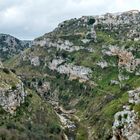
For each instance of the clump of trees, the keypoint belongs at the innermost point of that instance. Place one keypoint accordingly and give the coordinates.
(13, 70)
(91, 21)
(40, 83)
(6, 70)
(14, 87)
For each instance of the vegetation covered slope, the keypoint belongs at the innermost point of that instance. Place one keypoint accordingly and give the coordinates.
(89, 65)
(33, 120)
(23, 114)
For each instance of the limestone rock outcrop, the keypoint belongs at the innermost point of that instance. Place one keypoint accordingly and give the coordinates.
(60, 45)
(127, 125)
(71, 70)
(12, 92)
(134, 96)
(35, 61)
(126, 58)
(11, 99)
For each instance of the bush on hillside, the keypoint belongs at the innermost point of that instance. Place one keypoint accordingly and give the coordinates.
(6, 70)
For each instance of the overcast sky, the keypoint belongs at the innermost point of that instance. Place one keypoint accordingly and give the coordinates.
(28, 19)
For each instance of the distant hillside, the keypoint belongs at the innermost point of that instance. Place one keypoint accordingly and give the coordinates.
(10, 46)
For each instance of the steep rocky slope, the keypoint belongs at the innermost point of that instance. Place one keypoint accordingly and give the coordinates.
(23, 114)
(89, 67)
(10, 46)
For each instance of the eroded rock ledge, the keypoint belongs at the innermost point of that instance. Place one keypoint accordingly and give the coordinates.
(12, 92)
(11, 99)
(126, 125)
(73, 71)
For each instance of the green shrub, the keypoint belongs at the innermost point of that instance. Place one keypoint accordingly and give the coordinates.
(55, 129)
(91, 21)
(34, 80)
(119, 118)
(125, 116)
(40, 83)
(137, 109)
(2, 111)
(14, 87)
(26, 103)
(64, 55)
(6, 70)
(13, 70)
(10, 126)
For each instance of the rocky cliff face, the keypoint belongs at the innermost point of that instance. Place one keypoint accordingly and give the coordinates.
(126, 124)
(72, 71)
(12, 92)
(11, 99)
(90, 65)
